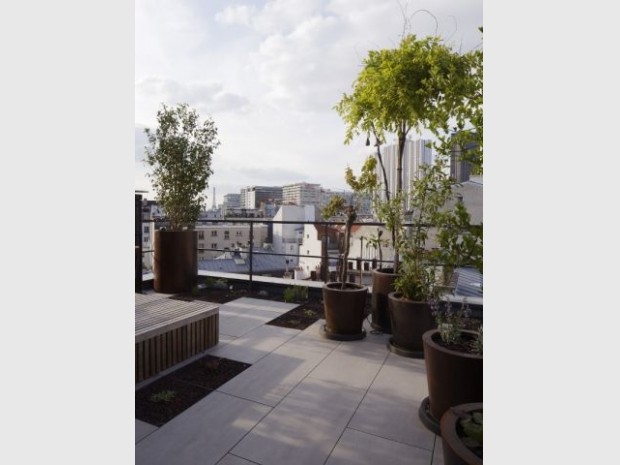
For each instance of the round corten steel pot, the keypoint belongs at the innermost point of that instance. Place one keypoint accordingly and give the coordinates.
(454, 377)
(409, 319)
(344, 310)
(455, 452)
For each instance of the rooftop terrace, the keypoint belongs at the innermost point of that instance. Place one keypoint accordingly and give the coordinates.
(304, 400)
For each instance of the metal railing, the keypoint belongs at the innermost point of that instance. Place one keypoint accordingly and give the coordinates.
(359, 267)
(330, 248)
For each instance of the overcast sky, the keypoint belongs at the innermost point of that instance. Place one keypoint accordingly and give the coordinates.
(269, 73)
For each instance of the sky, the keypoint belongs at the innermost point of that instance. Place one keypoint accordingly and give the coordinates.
(269, 74)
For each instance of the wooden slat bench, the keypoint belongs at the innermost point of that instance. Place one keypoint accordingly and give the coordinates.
(169, 331)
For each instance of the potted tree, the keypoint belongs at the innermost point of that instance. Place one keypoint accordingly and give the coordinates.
(453, 360)
(179, 154)
(399, 91)
(344, 302)
(415, 284)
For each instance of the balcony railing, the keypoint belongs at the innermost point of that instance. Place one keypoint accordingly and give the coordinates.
(359, 267)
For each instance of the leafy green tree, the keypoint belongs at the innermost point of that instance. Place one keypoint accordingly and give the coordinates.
(179, 153)
(397, 91)
(460, 113)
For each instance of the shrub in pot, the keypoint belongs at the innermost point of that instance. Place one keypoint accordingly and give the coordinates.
(410, 311)
(345, 302)
(415, 283)
(399, 91)
(453, 360)
(179, 155)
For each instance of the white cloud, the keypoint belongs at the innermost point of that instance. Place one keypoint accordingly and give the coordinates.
(271, 84)
(208, 97)
(238, 14)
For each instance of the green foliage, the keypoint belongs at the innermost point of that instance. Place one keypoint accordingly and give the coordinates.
(429, 193)
(472, 428)
(451, 324)
(398, 89)
(462, 108)
(179, 154)
(163, 396)
(421, 84)
(367, 182)
(377, 243)
(460, 242)
(414, 281)
(296, 294)
(476, 344)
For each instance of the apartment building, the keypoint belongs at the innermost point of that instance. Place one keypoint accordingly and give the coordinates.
(301, 193)
(227, 237)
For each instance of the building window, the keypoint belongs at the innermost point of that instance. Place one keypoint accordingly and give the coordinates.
(213, 233)
(226, 235)
(146, 229)
(239, 233)
(201, 235)
(214, 246)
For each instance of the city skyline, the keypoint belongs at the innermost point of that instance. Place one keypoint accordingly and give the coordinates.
(269, 73)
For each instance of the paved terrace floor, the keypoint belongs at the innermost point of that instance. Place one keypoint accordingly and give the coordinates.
(305, 400)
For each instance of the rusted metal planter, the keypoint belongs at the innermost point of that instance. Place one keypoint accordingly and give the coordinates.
(175, 261)
(455, 452)
(382, 285)
(344, 311)
(454, 377)
(410, 320)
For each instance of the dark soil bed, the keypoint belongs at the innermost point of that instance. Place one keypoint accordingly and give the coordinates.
(300, 317)
(184, 387)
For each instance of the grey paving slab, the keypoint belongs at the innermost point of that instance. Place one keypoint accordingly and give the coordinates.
(438, 452)
(312, 337)
(304, 427)
(255, 344)
(354, 363)
(357, 448)
(275, 375)
(234, 460)
(269, 305)
(202, 434)
(390, 408)
(237, 321)
(143, 429)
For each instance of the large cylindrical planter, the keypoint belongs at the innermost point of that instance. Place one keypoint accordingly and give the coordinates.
(175, 261)
(382, 285)
(455, 452)
(409, 320)
(454, 377)
(344, 311)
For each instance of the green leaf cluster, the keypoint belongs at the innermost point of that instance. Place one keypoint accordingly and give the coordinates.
(421, 84)
(179, 153)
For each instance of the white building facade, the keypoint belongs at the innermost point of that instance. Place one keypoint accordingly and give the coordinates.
(417, 154)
